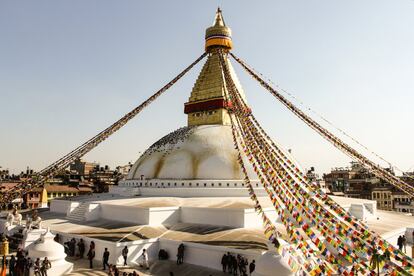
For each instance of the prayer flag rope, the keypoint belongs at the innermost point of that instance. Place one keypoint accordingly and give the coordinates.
(297, 190)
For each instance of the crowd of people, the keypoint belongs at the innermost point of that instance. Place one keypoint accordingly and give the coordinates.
(237, 265)
(76, 248)
(22, 264)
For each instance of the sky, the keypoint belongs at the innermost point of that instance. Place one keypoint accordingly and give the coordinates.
(69, 69)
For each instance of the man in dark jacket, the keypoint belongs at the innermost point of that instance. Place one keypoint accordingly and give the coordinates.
(81, 247)
(224, 262)
(91, 255)
(252, 266)
(105, 258)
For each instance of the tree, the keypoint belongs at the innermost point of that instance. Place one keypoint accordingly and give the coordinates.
(377, 259)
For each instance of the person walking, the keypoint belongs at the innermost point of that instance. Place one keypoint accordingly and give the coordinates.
(36, 267)
(45, 266)
(81, 248)
(125, 254)
(180, 254)
(12, 264)
(404, 243)
(29, 265)
(252, 267)
(91, 254)
(399, 243)
(105, 258)
(224, 262)
(144, 259)
(235, 265)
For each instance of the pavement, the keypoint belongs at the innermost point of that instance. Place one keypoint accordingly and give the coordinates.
(159, 268)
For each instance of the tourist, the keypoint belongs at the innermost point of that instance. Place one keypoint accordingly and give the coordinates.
(144, 259)
(20, 263)
(224, 262)
(45, 266)
(125, 254)
(241, 263)
(36, 267)
(81, 248)
(28, 266)
(229, 263)
(234, 264)
(72, 247)
(180, 254)
(12, 264)
(105, 258)
(252, 267)
(91, 254)
(400, 243)
(404, 243)
(116, 270)
(111, 270)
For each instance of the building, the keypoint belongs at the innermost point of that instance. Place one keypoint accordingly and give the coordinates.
(82, 168)
(40, 197)
(357, 182)
(314, 177)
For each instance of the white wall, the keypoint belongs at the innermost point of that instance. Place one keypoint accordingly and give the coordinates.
(214, 216)
(164, 215)
(203, 255)
(93, 212)
(125, 213)
(60, 206)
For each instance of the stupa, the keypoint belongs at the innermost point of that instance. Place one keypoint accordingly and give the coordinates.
(201, 155)
(187, 188)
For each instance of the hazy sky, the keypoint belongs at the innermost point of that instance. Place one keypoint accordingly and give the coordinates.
(68, 69)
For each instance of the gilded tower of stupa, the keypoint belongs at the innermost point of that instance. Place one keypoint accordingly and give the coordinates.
(208, 101)
(203, 149)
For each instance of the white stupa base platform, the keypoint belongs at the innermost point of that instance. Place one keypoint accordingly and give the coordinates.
(224, 211)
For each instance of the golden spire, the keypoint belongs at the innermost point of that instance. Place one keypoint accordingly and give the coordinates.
(209, 98)
(218, 20)
(218, 35)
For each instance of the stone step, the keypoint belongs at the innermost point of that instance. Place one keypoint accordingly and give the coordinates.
(78, 214)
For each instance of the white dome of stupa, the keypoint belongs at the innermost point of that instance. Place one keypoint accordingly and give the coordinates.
(194, 152)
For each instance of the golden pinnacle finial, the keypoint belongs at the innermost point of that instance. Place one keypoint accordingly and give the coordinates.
(218, 20)
(218, 35)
